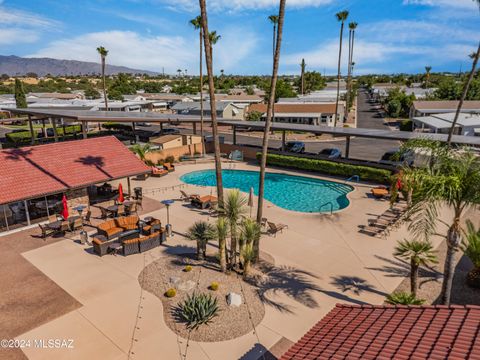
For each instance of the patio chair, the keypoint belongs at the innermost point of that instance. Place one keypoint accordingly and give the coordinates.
(133, 208)
(274, 228)
(187, 197)
(121, 210)
(77, 224)
(86, 219)
(104, 213)
(169, 167)
(263, 223)
(46, 231)
(64, 228)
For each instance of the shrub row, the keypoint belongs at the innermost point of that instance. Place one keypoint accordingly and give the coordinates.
(116, 126)
(24, 136)
(329, 167)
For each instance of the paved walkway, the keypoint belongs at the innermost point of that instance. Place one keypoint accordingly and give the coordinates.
(319, 261)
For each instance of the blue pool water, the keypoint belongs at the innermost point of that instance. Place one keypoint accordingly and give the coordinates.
(297, 193)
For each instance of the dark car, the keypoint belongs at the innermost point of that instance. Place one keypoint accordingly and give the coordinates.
(295, 147)
(170, 131)
(331, 153)
(392, 157)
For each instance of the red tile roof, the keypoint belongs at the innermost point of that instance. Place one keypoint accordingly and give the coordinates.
(392, 332)
(35, 171)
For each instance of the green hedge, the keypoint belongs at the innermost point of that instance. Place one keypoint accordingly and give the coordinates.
(25, 137)
(116, 126)
(329, 167)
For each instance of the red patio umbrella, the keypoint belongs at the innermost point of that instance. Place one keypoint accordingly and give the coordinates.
(65, 207)
(121, 199)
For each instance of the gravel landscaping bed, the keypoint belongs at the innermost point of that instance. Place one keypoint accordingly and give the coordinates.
(231, 322)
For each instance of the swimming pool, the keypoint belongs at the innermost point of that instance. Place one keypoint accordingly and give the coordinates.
(297, 193)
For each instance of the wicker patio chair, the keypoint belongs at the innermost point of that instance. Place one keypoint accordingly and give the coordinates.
(131, 246)
(149, 242)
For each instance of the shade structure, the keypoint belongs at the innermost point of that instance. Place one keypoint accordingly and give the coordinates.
(65, 208)
(121, 199)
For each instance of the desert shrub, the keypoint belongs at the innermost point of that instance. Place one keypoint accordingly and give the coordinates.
(329, 167)
(19, 137)
(170, 159)
(198, 309)
(214, 286)
(116, 126)
(406, 125)
(403, 298)
(170, 293)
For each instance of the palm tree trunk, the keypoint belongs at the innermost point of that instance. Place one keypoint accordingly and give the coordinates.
(211, 89)
(233, 248)
(349, 68)
(271, 101)
(104, 84)
(413, 277)
(303, 80)
(338, 74)
(453, 242)
(199, 250)
(464, 95)
(222, 255)
(246, 269)
(201, 93)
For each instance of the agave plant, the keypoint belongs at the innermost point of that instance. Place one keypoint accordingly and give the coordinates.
(403, 298)
(198, 310)
(471, 247)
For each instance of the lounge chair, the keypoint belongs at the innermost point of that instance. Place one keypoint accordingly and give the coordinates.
(169, 167)
(46, 231)
(380, 192)
(274, 228)
(86, 219)
(159, 172)
(187, 197)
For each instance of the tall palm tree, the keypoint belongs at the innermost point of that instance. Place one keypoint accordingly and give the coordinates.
(197, 24)
(222, 233)
(475, 57)
(179, 71)
(302, 76)
(452, 179)
(214, 37)
(342, 17)
(418, 253)
(201, 232)
(351, 39)
(274, 20)
(103, 55)
(233, 208)
(211, 89)
(427, 75)
(270, 108)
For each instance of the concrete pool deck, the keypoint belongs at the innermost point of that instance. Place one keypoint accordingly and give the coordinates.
(320, 260)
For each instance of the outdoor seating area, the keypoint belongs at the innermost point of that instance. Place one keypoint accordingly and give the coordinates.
(203, 202)
(384, 223)
(128, 235)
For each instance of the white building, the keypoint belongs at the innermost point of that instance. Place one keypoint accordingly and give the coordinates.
(467, 124)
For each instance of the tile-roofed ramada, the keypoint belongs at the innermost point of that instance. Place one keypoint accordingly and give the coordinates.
(392, 332)
(34, 171)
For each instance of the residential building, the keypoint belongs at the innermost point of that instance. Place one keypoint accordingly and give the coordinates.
(426, 108)
(174, 141)
(321, 96)
(225, 110)
(58, 96)
(468, 124)
(310, 114)
(238, 98)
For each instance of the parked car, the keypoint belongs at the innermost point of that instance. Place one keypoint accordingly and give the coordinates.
(170, 131)
(331, 153)
(295, 147)
(392, 157)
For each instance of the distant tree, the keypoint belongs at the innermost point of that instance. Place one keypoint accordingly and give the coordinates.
(302, 76)
(5, 77)
(254, 116)
(351, 41)
(283, 90)
(20, 98)
(249, 90)
(92, 93)
(31, 74)
(312, 81)
(274, 20)
(427, 75)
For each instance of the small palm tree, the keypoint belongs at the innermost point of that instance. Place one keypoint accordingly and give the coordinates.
(234, 209)
(202, 232)
(222, 233)
(341, 17)
(141, 150)
(418, 253)
(471, 247)
(103, 55)
(250, 238)
(179, 71)
(403, 298)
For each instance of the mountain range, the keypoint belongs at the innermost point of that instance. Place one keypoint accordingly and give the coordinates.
(15, 65)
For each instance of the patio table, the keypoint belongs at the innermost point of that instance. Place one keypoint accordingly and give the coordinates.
(113, 209)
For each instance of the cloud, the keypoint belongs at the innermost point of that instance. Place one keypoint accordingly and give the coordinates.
(466, 4)
(128, 48)
(11, 36)
(236, 5)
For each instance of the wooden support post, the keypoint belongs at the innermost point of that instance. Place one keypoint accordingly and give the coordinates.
(44, 129)
(161, 127)
(284, 139)
(54, 125)
(63, 129)
(84, 129)
(133, 131)
(347, 148)
(129, 187)
(194, 128)
(32, 134)
(234, 135)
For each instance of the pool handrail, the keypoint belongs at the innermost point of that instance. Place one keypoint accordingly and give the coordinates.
(331, 207)
(351, 178)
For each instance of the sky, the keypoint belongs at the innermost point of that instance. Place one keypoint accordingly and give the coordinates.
(392, 36)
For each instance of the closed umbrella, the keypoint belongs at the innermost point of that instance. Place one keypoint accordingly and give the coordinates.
(120, 193)
(65, 207)
(250, 200)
